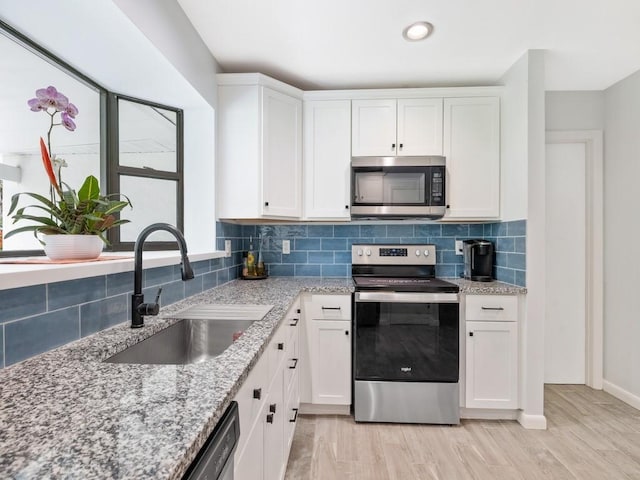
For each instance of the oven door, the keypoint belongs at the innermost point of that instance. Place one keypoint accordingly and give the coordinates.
(406, 337)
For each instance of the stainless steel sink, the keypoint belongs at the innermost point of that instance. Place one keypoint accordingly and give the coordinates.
(187, 341)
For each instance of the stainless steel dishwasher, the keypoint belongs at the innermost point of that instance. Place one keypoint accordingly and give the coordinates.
(215, 459)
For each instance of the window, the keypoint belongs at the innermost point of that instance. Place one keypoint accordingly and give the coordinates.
(146, 164)
(134, 147)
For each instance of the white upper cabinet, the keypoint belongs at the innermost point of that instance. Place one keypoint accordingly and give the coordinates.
(259, 172)
(327, 157)
(419, 126)
(403, 127)
(282, 157)
(472, 151)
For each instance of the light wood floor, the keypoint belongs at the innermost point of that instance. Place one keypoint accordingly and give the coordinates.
(590, 435)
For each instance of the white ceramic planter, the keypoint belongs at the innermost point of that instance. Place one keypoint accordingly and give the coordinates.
(72, 247)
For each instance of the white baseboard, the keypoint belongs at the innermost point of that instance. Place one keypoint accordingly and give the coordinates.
(621, 394)
(488, 414)
(532, 422)
(313, 409)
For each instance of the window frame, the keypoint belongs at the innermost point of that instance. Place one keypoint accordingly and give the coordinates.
(110, 170)
(115, 170)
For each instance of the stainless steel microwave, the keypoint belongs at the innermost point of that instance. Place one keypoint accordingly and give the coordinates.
(398, 187)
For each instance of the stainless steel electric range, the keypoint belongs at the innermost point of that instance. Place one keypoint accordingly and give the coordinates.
(406, 336)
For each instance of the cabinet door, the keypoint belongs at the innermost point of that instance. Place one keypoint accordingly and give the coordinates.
(249, 460)
(492, 365)
(282, 155)
(327, 158)
(274, 417)
(472, 150)
(373, 128)
(419, 126)
(330, 356)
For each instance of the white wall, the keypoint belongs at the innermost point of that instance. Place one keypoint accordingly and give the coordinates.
(621, 228)
(574, 110)
(514, 141)
(523, 181)
(118, 51)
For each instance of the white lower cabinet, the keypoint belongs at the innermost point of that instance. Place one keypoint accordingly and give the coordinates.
(327, 327)
(267, 401)
(491, 352)
(330, 355)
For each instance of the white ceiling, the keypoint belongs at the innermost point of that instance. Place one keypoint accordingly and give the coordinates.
(333, 44)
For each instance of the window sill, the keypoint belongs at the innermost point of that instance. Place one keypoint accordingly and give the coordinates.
(24, 275)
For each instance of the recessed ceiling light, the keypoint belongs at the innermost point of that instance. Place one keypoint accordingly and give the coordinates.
(417, 31)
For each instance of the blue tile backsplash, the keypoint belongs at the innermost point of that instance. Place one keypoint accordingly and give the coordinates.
(38, 318)
(325, 250)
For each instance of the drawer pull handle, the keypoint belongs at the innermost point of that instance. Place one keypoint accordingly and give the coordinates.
(294, 322)
(493, 308)
(270, 418)
(295, 416)
(281, 346)
(295, 363)
(257, 393)
(272, 408)
(331, 308)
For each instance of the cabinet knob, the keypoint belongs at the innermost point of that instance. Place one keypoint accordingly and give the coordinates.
(272, 408)
(270, 418)
(281, 346)
(393, 146)
(257, 393)
(400, 146)
(297, 310)
(346, 207)
(266, 204)
(471, 334)
(346, 332)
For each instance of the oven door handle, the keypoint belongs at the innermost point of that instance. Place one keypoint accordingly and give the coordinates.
(406, 297)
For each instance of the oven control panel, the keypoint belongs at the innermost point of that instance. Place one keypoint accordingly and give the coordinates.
(380, 254)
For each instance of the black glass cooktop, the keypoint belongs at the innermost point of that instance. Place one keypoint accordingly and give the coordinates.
(405, 284)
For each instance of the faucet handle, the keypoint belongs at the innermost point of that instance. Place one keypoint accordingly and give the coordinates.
(151, 308)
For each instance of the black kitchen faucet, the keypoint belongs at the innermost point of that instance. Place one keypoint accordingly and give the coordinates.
(138, 308)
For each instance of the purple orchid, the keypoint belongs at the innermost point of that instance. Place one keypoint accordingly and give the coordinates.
(71, 110)
(51, 101)
(67, 122)
(50, 98)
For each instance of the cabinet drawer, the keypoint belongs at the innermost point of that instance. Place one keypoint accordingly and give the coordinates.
(495, 308)
(330, 307)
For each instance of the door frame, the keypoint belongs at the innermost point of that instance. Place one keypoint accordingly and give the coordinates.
(594, 287)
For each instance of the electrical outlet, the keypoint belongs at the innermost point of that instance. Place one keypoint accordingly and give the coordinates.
(458, 247)
(227, 248)
(286, 247)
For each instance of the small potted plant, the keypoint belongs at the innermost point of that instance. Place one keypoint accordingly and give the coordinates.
(72, 224)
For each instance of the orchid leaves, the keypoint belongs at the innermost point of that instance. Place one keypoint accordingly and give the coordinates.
(84, 213)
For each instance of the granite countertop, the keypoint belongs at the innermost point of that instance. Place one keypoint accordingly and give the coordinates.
(67, 414)
(487, 288)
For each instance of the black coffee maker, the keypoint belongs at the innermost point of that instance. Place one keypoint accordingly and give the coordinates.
(478, 260)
